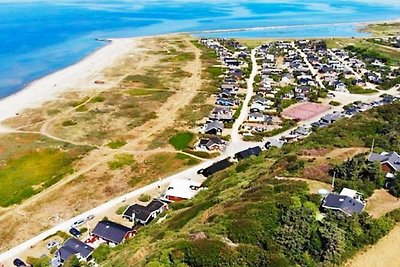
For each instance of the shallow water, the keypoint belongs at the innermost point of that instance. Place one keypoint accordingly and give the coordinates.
(39, 37)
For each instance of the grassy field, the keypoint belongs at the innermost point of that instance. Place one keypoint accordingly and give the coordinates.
(390, 54)
(181, 141)
(143, 92)
(30, 163)
(120, 161)
(27, 175)
(145, 81)
(383, 29)
(360, 90)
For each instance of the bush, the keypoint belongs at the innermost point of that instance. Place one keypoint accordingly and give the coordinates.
(121, 209)
(101, 253)
(144, 198)
(334, 103)
(69, 123)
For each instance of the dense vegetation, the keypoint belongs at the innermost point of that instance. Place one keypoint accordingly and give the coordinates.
(358, 174)
(247, 217)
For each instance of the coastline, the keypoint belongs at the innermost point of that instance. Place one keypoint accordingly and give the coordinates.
(357, 24)
(79, 76)
(82, 75)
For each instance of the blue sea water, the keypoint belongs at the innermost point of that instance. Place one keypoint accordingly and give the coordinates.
(39, 37)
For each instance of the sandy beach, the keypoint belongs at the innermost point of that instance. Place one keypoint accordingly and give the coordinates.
(80, 76)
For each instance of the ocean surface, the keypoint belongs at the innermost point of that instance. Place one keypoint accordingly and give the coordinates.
(40, 37)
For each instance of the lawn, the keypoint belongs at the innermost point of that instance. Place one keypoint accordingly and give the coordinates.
(360, 90)
(181, 141)
(26, 175)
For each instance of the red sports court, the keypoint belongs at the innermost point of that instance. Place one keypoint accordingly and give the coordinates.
(304, 111)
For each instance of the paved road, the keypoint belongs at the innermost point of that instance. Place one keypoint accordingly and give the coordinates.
(236, 145)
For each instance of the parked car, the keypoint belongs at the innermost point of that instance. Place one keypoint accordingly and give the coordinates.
(52, 244)
(90, 217)
(78, 223)
(19, 263)
(75, 232)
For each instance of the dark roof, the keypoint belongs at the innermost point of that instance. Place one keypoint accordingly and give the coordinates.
(144, 212)
(111, 231)
(344, 203)
(253, 151)
(392, 158)
(74, 246)
(216, 167)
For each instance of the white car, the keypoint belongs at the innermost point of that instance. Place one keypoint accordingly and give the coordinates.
(52, 244)
(78, 223)
(90, 217)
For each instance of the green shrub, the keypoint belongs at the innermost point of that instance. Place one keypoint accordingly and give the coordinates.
(144, 198)
(101, 253)
(69, 123)
(121, 209)
(334, 103)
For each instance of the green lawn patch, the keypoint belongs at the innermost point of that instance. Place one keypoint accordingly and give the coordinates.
(148, 81)
(360, 90)
(121, 209)
(27, 175)
(116, 144)
(81, 108)
(144, 198)
(143, 92)
(181, 140)
(181, 57)
(121, 161)
(97, 99)
(79, 102)
(189, 161)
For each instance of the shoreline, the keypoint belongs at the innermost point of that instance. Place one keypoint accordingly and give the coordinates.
(249, 29)
(81, 75)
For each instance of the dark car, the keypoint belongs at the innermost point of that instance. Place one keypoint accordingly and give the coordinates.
(19, 263)
(75, 232)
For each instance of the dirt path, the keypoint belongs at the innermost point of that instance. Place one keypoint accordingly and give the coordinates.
(385, 253)
(381, 202)
(167, 115)
(168, 112)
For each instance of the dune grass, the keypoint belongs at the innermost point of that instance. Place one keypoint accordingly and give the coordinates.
(27, 175)
(143, 92)
(120, 161)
